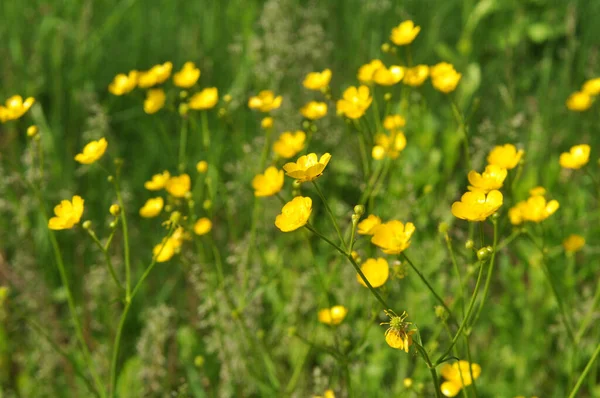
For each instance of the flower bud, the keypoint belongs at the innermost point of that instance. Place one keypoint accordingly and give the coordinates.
(32, 131)
(110, 178)
(183, 94)
(202, 166)
(86, 224)
(222, 112)
(168, 208)
(387, 96)
(441, 312)
(306, 125)
(115, 210)
(355, 219)
(175, 217)
(183, 109)
(207, 205)
(484, 253)
(199, 361)
(443, 227)
(469, 244)
(495, 216)
(113, 224)
(266, 123)
(227, 98)
(385, 47)
(359, 210)
(408, 382)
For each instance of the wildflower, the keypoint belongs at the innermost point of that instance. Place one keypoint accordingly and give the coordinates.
(317, 80)
(366, 72)
(314, 110)
(266, 123)
(576, 158)
(152, 207)
(123, 84)
(390, 145)
(404, 33)
(289, 144)
(591, 87)
(477, 205)
(202, 226)
(202, 166)
(187, 76)
(416, 75)
(408, 382)
(92, 151)
(32, 131)
(399, 334)
(444, 78)
(269, 183)
(579, 101)
(67, 214)
(114, 210)
(354, 102)
(458, 375)
(388, 76)
(158, 181)
(505, 156)
(393, 122)
(376, 271)
(393, 237)
(165, 250)
(368, 225)
(294, 214)
(265, 101)
(327, 394)
(205, 99)
(307, 167)
(155, 100)
(156, 75)
(333, 316)
(573, 243)
(378, 152)
(537, 191)
(535, 209)
(178, 186)
(492, 178)
(15, 108)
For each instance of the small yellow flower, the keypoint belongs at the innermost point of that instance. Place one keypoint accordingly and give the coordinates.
(404, 33)
(444, 78)
(391, 145)
(289, 144)
(269, 183)
(368, 225)
(307, 167)
(537, 191)
(393, 122)
(32, 131)
(294, 214)
(592, 86)
(574, 243)
(393, 237)
(152, 207)
(15, 108)
(378, 152)
(388, 76)
(458, 375)
(399, 334)
(535, 209)
(408, 382)
(202, 226)
(266, 123)
(314, 110)
(477, 205)
(114, 210)
(515, 213)
(123, 84)
(492, 178)
(205, 99)
(579, 101)
(376, 271)
(576, 158)
(265, 101)
(92, 151)
(366, 72)
(67, 214)
(505, 156)
(165, 250)
(416, 75)
(178, 186)
(155, 100)
(333, 316)
(202, 166)
(354, 102)
(317, 80)
(156, 75)
(158, 181)
(187, 76)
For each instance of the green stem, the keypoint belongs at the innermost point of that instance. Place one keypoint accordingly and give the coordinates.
(431, 367)
(205, 131)
(457, 271)
(470, 363)
(488, 279)
(125, 238)
(331, 215)
(462, 128)
(111, 269)
(589, 315)
(183, 133)
(587, 369)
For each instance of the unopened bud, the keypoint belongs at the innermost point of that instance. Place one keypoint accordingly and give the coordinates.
(484, 253)
(110, 178)
(387, 96)
(86, 224)
(113, 224)
(359, 210)
(443, 227)
(183, 109)
(385, 47)
(469, 244)
(115, 210)
(355, 219)
(32, 131)
(207, 204)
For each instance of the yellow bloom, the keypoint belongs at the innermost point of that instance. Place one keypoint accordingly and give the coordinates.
(294, 214)
(368, 225)
(156, 75)
(354, 102)
(579, 101)
(317, 80)
(477, 205)
(265, 101)
(378, 152)
(515, 213)
(269, 183)
(314, 110)
(32, 131)
(333, 316)
(114, 210)
(393, 122)
(205, 99)
(92, 151)
(592, 86)
(178, 186)
(399, 334)
(366, 72)
(444, 78)
(266, 123)
(535, 209)
(574, 243)
(152, 207)
(165, 250)
(158, 181)
(458, 375)
(376, 271)
(67, 214)
(416, 75)
(404, 33)
(307, 167)
(155, 100)
(492, 178)
(388, 76)
(537, 191)
(393, 237)
(187, 76)
(289, 144)
(391, 145)
(15, 108)
(123, 84)
(576, 158)
(202, 166)
(202, 226)
(505, 156)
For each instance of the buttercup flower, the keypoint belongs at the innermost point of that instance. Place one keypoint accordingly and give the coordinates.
(294, 214)
(187, 76)
(388, 77)
(114, 210)
(354, 102)
(158, 181)
(202, 166)
(368, 225)
(92, 151)
(377, 272)
(123, 84)
(404, 33)
(156, 75)
(333, 316)
(399, 334)
(592, 86)
(289, 144)
(15, 107)
(573, 243)
(505, 156)
(165, 250)
(314, 110)
(477, 205)
(265, 101)
(67, 214)
(205, 99)
(202, 226)
(537, 191)
(416, 75)
(444, 78)
(269, 183)
(317, 80)
(535, 209)
(393, 237)
(393, 122)
(266, 123)
(307, 167)
(458, 375)
(178, 186)
(155, 100)
(366, 72)
(327, 394)
(32, 131)
(390, 145)
(576, 158)
(579, 101)
(152, 207)
(492, 178)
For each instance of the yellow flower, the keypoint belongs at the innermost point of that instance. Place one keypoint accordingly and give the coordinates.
(123, 84)
(333, 316)
(269, 183)
(366, 72)
(393, 122)
(266, 123)
(444, 78)
(202, 166)
(158, 181)
(67, 214)
(458, 375)
(317, 80)
(505, 156)
(391, 145)
(492, 178)
(314, 110)
(156, 75)
(393, 237)
(404, 33)
(388, 76)
(416, 75)
(289, 144)
(152, 207)
(294, 214)
(165, 250)
(178, 186)
(114, 210)
(399, 334)
(477, 205)
(378, 152)
(574, 243)
(92, 151)
(537, 191)
(32, 131)
(534, 209)
(376, 271)
(368, 225)
(579, 101)
(205, 99)
(202, 226)
(515, 213)
(576, 158)
(354, 102)
(307, 167)
(155, 100)
(592, 86)
(265, 101)
(15, 108)
(187, 76)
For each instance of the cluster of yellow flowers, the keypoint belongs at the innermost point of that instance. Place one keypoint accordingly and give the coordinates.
(458, 375)
(14, 108)
(535, 209)
(582, 100)
(390, 145)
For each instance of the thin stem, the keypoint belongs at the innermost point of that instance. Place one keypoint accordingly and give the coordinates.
(205, 131)
(589, 315)
(331, 215)
(462, 127)
(111, 269)
(183, 133)
(125, 238)
(587, 369)
(488, 279)
(470, 362)
(457, 271)
(431, 367)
